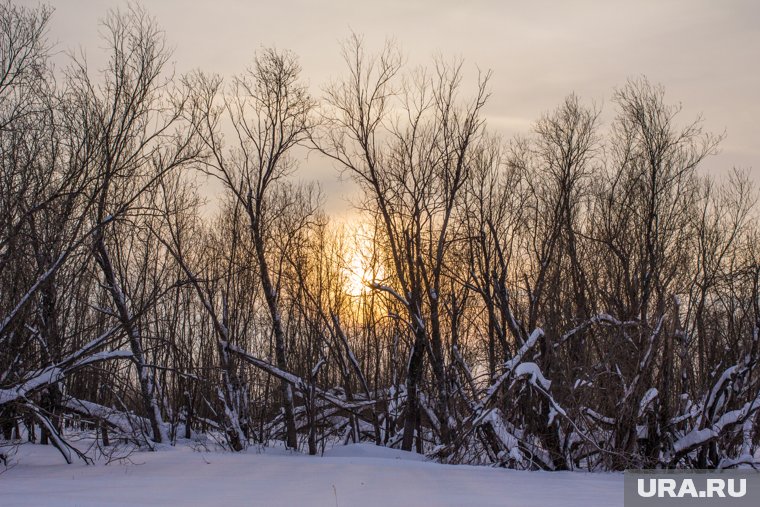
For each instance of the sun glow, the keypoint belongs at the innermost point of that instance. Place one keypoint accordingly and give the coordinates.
(362, 267)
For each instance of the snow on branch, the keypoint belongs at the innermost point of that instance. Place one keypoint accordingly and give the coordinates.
(55, 373)
(698, 437)
(389, 290)
(66, 450)
(479, 413)
(295, 380)
(510, 366)
(603, 319)
(533, 373)
(122, 421)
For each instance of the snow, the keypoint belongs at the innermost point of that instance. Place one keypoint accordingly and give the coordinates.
(55, 373)
(698, 437)
(510, 365)
(509, 441)
(533, 372)
(294, 380)
(124, 422)
(368, 450)
(361, 474)
(648, 398)
(49, 375)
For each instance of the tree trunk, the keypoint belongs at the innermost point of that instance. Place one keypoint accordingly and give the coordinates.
(270, 294)
(147, 391)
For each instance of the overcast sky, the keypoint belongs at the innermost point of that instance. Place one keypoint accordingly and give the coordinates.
(705, 52)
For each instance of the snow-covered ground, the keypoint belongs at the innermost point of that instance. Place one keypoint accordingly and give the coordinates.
(357, 475)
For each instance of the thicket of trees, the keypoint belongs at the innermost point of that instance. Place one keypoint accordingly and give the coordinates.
(579, 298)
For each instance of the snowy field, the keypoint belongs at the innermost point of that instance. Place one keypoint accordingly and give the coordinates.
(357, 475)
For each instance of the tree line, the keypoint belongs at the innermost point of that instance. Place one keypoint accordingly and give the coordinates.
(580, 297)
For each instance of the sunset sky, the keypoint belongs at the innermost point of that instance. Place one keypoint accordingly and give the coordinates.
(704, 52)
(400, 252)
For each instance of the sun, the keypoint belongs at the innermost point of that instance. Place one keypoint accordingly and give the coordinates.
(357, 276)
(362, 267)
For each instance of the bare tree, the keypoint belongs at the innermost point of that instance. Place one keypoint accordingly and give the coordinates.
(412, 168)
(135, 135)
(580, 296)
(270, 111)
